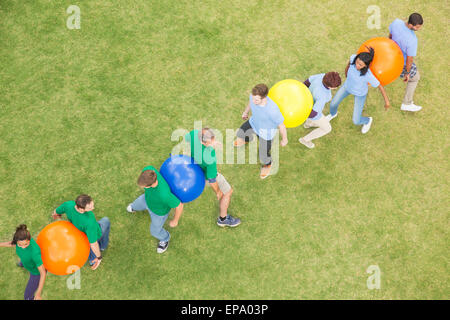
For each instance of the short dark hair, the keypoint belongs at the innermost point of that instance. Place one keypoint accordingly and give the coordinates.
(83, 200)
(260, 90)
(21, 234)
(415, 19)
(331, 80)
(147, 178)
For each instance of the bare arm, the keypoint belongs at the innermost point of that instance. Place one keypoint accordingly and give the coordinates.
(346, 69)
(96, 249)
(409, 62)
(178, 211)
(385, 97)
(55, 215)
(283, 132)
(43, 273)
(6, 244)
(246, 111)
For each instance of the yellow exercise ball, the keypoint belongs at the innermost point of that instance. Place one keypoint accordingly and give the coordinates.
(294, 100)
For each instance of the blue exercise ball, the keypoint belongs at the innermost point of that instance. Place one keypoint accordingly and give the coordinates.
(185, 178)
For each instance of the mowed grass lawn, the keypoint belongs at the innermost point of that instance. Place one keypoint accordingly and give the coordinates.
(83, 111)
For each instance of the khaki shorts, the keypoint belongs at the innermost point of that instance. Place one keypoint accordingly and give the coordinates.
(223, 184)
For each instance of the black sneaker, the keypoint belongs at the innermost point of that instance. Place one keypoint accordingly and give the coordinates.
(162, 246)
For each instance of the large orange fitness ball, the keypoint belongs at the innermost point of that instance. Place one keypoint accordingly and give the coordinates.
(388, 61)
(64, 248)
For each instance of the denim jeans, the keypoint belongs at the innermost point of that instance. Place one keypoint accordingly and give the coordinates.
(358, 119)
(157, 222)
(32, 286)
(105, 226)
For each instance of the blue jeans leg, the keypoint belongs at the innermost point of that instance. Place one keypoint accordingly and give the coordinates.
(139, 204)
(157, 222)
(156, 227)
(337, 99)
(105, 226)
(358, 119)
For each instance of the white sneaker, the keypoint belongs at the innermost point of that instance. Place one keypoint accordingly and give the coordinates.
(129, 209)
(410, 107)
(307, 144)
(366, 127)
(330, 117)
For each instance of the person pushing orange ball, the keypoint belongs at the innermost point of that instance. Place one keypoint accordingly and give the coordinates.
(387, 64)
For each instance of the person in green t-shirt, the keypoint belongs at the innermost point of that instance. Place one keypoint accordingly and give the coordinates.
(158, 200)
(30, 258)
(202, 143)
(79, 213)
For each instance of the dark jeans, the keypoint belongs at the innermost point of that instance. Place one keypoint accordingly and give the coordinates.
(105, 226)
(247, 133)
(32, 286)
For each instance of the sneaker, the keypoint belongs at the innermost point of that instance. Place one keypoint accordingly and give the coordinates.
(307, 144)
(330, 117)
(366, 127)
(410, 107)
(130, 209)
(229, 222)
(265, 171)
(19, 264)
(239, 142)
(162, 246)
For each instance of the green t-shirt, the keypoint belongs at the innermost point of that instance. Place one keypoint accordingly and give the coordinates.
(204, 156)
(84, 222)
(30, 257)
(160, 199)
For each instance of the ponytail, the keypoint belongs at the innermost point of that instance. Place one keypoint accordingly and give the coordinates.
(21, 234)
(367, 58)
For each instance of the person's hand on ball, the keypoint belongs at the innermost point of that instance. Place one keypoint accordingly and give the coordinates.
(56, 216)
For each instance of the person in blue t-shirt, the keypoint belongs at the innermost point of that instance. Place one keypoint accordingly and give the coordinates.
(320, 86)
(403, 33)
(358, 77)
(265, 120)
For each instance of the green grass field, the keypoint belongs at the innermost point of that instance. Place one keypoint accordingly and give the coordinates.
(83, 111)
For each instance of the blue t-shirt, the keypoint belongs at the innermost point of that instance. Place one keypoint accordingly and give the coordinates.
(265, 119)
(404, 37)
(357, 84)
(321, 95)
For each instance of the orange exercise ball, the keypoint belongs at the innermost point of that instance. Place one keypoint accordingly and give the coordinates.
(64, 248)
(388, 61)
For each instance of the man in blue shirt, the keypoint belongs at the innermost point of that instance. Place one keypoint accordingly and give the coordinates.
(265, 120)
(320, 86)
(403, 33)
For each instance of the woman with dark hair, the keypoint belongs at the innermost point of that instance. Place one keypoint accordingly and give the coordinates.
(358, 77)
(320, 86)
(30, 258)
